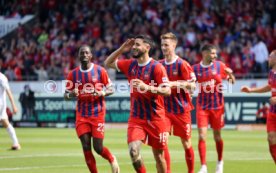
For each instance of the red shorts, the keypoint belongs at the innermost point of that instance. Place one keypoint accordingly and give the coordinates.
(93, 126)
(215, 117)
(179, 124)
(151, 132)
(271, 122)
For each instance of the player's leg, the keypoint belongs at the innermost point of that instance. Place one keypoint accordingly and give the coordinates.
(106, 154)
(167, 157)
(219, 143)
(160, 160)
(271, 134)
(189, 154)
(136, 158)
(166, 150)
(182, 128)
(89, 157)
(202, 119)
(6, 124)
(219, 147)
(272, 144)
(217, 123)
(202, 135)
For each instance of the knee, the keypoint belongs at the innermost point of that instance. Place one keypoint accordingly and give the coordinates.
(271, 139)
(98, 149)
(134, 154)
(5, 123)
(187, 144)
(202, 137)
(86, 146)
(217, 138)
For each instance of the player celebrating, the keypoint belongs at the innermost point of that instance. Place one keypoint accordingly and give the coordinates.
(210, 102)
(178, 105)
(87, 82)
(271, 119)
(4, 88)
(149, 84)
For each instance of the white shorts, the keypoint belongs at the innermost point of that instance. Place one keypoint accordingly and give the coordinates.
(3, 112)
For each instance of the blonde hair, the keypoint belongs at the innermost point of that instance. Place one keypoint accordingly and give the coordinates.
(169, 35)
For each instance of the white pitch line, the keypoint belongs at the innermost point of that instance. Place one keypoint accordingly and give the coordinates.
(120, 163)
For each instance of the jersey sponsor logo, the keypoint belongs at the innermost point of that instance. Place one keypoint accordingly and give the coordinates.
(78, 81)
(133, 72)
(146, 76)
(175, 72)
(165, 79)
(214, 72)
(94, 79)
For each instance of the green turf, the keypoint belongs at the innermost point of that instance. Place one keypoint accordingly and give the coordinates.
(59, 151)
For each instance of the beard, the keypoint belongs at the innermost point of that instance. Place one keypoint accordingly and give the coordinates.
(138, 54)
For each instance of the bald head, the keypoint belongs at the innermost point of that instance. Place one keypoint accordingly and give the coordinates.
(272, 59)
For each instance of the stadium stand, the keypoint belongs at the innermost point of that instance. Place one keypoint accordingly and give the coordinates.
(243, 30)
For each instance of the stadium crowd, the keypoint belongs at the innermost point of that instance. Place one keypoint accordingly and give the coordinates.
(244, 32)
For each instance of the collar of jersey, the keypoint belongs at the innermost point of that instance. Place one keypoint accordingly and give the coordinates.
(206, 66)
(92, 65)
(169, 63)
(146, 63)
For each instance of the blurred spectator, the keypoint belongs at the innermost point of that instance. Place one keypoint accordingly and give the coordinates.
(27, 100)
(41, 73)
(60, 28)
(261, 55)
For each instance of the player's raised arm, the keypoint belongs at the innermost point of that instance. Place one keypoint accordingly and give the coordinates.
(110, 62)
(263, 89)
(230, 74)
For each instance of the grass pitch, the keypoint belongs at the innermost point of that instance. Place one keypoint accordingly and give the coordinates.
(51, 150)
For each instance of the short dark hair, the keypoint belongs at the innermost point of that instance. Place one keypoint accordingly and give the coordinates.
(146, 39)
(208, 47)
(90, 48)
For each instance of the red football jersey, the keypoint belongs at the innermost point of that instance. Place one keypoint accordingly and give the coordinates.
(147, 105)
(179, 101)
(209, 78)
(272, 83)
(95, 78)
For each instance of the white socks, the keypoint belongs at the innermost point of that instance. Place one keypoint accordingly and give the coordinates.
(12, 134)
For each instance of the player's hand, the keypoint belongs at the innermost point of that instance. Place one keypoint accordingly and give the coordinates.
(99, 93)
(192, 86)
(272, 100)
(139, 84)
(231, 79)
(245, 89)
(173, 84)
(127, 45)
(75, 92)
(14, 109)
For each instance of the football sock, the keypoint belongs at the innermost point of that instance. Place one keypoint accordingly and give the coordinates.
(107, 155)
(90, 161)
(12, 134)
(219, 146)
(272, 149)
(190, 159)
(202, 151)
(168, 159)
